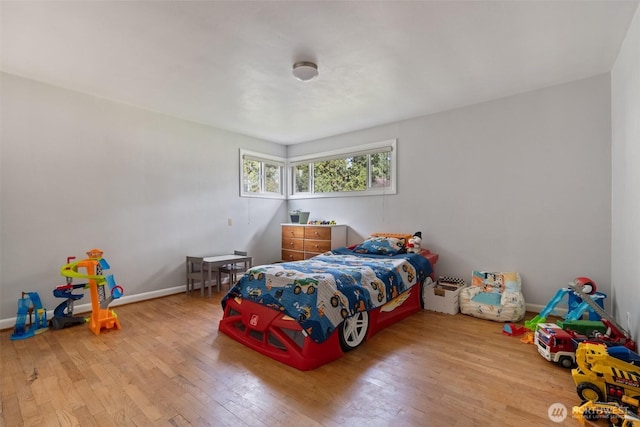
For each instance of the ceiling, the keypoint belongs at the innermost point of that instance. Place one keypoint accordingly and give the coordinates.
(228, 63)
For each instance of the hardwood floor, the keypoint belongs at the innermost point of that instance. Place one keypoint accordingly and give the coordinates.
(169, 366)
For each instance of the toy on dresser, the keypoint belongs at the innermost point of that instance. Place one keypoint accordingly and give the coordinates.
(413, 245)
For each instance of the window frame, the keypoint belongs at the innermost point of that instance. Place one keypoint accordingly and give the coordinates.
(280, 162)
(365, 149)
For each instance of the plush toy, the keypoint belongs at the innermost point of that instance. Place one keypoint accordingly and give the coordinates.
(413, 245)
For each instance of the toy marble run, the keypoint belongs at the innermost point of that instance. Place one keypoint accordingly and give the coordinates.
(28, 306)
(101, 316)
(582, 297)
(63, 314)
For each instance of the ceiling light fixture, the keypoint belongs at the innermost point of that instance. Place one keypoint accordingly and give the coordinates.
(305, 71)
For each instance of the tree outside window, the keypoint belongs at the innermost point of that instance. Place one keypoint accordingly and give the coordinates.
(272, 178)
(302, 177)
(363, 170)
(380, 169)
(251, 176)
(368, 170)
(338, 175)
(262, 175)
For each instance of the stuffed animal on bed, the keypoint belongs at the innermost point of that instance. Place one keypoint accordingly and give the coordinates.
(413, 245)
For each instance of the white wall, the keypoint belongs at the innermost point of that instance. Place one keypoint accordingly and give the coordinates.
(521, 183)
(79, 172)
(625, 123)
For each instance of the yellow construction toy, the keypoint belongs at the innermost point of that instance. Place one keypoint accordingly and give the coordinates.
(601, 377)
(612, 412)
(101, 316)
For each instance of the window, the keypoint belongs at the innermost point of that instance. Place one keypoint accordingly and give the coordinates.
(261, 175)
(364, 170)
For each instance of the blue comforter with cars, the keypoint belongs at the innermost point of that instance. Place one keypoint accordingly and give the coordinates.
(322, 291)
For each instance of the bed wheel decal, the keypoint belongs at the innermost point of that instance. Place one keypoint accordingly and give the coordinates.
(353, 331)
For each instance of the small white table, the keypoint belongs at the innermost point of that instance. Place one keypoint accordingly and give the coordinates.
(209, 263)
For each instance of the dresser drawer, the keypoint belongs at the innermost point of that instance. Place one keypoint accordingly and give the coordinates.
(292, 231)
(288, 255)
(308, 255)
(300, 242)
(318, 246)
(292, 244)
(318, 233)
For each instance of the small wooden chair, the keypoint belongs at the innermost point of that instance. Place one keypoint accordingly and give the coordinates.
(197, 273)
(232, 269)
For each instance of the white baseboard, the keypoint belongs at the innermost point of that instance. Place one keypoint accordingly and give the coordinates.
(85, 308)
(128, 299)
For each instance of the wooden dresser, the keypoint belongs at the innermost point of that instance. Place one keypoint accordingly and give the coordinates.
(301, 241)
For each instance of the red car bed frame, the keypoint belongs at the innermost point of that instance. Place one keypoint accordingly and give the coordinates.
(280, 337)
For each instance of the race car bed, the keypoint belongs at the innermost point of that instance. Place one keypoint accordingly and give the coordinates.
(307, 313)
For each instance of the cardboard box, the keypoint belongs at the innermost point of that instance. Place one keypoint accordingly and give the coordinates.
(442, 296)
